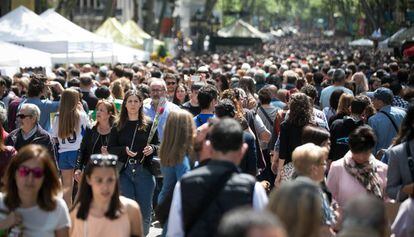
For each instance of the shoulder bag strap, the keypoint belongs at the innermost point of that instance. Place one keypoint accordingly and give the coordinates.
(266, 115)
(392, 120)
(208, 199)
(410, 159)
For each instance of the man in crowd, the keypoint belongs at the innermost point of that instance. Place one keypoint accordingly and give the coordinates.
(158, 92)
(85, 85)
(205, 194)
(207, 99)
(192, 105)
(387, 120)
(339, 83)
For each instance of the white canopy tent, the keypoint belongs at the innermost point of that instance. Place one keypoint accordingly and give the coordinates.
(13, 57)
(22, 26)
(362, 43)
(242, 29)
(104, 50)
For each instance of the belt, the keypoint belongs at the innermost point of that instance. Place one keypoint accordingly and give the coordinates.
(132, 161)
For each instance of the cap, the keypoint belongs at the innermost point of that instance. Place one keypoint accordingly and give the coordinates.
(203, 69)
(384, 94)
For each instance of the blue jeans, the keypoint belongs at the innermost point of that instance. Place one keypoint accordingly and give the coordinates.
(139, 186)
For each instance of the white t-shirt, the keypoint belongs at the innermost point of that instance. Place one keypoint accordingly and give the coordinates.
(74, 141)
(38, 222)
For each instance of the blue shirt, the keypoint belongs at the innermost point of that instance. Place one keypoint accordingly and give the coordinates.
(277, 103)
(47, 108)
(327, 92)
(150, 112)
(201, 119)
(383, 128)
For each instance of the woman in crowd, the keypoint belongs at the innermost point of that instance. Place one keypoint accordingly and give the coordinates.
(95, 140)
(181, 95)
(176, 146)
(297, 204)
(247, 84)
(30, 194)
(358, 171)
(129, 141)
(310, 161)
(222, 83)
(300, 114)
(344, 107)
(400, 184)
(6, 154)
(99, 210)
(68, 129)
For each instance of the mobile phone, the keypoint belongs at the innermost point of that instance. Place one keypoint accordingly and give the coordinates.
(195, 78)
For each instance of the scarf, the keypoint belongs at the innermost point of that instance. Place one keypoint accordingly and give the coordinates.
(366, 174)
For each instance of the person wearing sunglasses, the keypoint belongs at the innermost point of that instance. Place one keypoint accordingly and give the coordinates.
(99, 209)
(31, 195)
(171, 82)
(30, 131)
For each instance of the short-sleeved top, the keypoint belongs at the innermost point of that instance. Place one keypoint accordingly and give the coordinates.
(37, 222)
(73, 142)
(201, 119)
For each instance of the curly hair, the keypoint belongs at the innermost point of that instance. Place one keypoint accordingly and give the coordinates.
(300, 110)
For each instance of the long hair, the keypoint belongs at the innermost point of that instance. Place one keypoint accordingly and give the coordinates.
(110, 107)
(186, 98)
(117, 90)
(300, 110)
(247, 84)
(406, 132)
(123, 115)
(178, 138)
(344, 105)
(2, 145)
(69, 115)
(298, 205)
(85, 195)
(46, 198)
(234, 96)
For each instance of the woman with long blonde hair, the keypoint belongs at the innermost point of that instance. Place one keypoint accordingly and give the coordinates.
(68, 129)
(176, 146)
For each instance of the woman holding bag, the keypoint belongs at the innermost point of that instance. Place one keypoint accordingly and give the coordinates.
(129, 141)
(96, 139)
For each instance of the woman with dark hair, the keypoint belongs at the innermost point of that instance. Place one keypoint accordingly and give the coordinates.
(99, 210)
(400, 182)
(222, 83)
(333, 104)
(129, 141)
(358, 171)
(96, 139)
(30, 195)
(290, 136)
(247, 84)
(181, 94)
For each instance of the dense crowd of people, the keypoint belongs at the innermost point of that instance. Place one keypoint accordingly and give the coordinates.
(303, 138)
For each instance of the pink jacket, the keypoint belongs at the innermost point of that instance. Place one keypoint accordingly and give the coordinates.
(344, 186)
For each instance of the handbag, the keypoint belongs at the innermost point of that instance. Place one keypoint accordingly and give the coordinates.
(155, 167)
(120, 166)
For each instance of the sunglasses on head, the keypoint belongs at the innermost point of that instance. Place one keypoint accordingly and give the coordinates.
(104, 160)
(23, 116)
(25, 171)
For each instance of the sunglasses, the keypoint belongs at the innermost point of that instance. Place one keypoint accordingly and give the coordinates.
(104, 160)
(25, 171)
(170, 83)
(23, 116)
